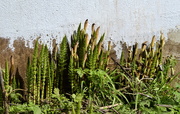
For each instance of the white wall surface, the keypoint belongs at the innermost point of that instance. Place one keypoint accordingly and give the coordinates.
(122, 20)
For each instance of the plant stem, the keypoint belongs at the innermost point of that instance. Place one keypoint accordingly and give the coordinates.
(5, 97)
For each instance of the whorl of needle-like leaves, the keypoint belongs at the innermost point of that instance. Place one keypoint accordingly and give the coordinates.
(63, 62)
(6, 75)
(32, 71)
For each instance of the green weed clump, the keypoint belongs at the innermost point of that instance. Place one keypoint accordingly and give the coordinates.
(76, 78)
(144, 76)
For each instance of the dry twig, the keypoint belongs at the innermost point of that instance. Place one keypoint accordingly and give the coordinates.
(164, 105)
(122, 68)
(109, 106)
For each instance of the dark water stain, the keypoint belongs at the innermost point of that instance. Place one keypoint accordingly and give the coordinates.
(20, 54)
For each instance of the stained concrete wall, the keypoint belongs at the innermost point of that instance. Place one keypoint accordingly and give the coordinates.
(172, 47)
(122, 20)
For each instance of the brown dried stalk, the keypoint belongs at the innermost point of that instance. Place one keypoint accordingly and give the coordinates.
(122, 68)
(5, 98)
(109, 106)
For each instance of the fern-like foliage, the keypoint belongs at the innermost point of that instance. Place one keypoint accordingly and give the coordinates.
(51, 77)
(63, 63)
(75, 36)
(82, 48)
(28, 75)
(71, 72)
(31, 75)
(44, 68)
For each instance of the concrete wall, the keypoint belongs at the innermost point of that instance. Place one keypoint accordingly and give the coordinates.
(121, 20)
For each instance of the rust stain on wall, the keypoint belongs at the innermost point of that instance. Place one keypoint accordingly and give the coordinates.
(20, 55)
(172, 47)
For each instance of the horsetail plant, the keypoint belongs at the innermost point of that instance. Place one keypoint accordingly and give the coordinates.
(62, 68)
(6, 75)
(44, 66)
(51, 77)
(32, 78)
(71, 72)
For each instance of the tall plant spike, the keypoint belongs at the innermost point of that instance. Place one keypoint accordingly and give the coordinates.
(49, 76)
(32, 77)
(153, 41)
(39, 81)
(44, 71)
(96, 35)
(63, 65)
(52, 76)
(82, 48)
(12, 71)
(93, 28)
(6, 75)
(100, 44)
(71, 68)
(28, 75)
(86, 41)
(85, 25)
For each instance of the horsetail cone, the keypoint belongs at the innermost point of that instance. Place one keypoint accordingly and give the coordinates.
(86, 41)
(75, 47)
(99, 48)
(85, 25)
(153, 41)
(162, 40)
(129, 55)
(84, 61)
(92, 46)
(109, 45)
(134, 51)
(93, 28)
(144, 46)
(97, 32)
(96, 36)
